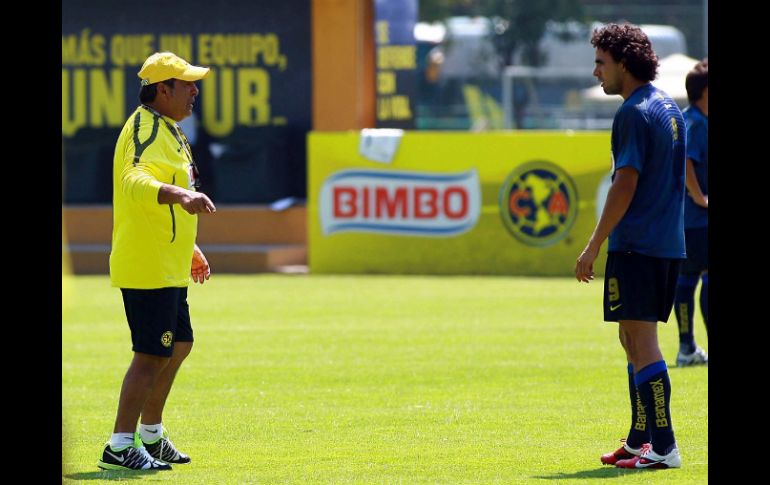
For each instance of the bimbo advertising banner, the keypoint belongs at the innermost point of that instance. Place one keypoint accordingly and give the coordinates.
(398, 202)
(520, 203)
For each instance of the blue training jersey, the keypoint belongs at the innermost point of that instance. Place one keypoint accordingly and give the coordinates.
(648, 134)
(696, 216)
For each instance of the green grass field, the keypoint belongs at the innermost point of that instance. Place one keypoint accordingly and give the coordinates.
(379, 379)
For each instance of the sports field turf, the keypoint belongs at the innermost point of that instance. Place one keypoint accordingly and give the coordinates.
(379, 379)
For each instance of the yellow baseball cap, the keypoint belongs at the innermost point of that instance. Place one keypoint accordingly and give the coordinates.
(167, 65)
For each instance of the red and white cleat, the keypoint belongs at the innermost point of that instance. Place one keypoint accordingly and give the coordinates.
(625, 452)
(650, 459)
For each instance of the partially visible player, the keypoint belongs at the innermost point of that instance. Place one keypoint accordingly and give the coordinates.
(696, 218)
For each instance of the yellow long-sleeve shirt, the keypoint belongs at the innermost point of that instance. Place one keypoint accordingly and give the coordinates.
(152, 243)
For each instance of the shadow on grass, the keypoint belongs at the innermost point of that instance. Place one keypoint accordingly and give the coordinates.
(601, 472)
(110, 475)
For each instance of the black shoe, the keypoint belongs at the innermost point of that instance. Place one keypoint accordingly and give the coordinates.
(129, 458)
(164, 450)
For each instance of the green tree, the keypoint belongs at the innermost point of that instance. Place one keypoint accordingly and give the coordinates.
(518, 23)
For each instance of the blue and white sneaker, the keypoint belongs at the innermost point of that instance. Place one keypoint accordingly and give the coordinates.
(698, 357)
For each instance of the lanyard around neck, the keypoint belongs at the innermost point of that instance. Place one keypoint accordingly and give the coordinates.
(181, 138)
(178, 134)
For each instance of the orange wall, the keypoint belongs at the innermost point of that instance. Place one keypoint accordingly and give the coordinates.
(343, 64)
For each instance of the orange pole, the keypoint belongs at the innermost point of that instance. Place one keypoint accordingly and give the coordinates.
(343, 64)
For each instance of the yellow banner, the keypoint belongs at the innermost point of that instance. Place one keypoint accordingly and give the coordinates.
(513, 203)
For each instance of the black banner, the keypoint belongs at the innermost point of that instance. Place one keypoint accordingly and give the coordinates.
(250, 119)
(396, 62)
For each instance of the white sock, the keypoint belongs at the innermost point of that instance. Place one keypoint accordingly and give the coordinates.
(150, 433)
(121, 440)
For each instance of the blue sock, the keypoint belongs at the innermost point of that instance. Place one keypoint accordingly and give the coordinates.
(654, 388)
(684, 303)
(639, 432)
(704, 300)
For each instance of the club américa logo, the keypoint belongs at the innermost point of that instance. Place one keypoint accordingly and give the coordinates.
(538, 203)
(166, 339)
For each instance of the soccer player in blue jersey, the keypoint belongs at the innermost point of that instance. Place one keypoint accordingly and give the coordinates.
(696, 218)
(644, 220)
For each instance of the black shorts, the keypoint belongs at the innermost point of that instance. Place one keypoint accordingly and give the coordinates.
(697, 243)
(157, 319)
(639, 287)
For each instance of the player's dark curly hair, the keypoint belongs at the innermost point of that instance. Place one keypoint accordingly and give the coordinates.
(697, 80)
(628, 44)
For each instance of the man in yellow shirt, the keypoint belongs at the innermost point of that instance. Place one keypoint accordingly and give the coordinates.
(155, 207)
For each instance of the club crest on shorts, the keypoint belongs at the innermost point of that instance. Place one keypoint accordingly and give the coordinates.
(167, 338)
(538, 203)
